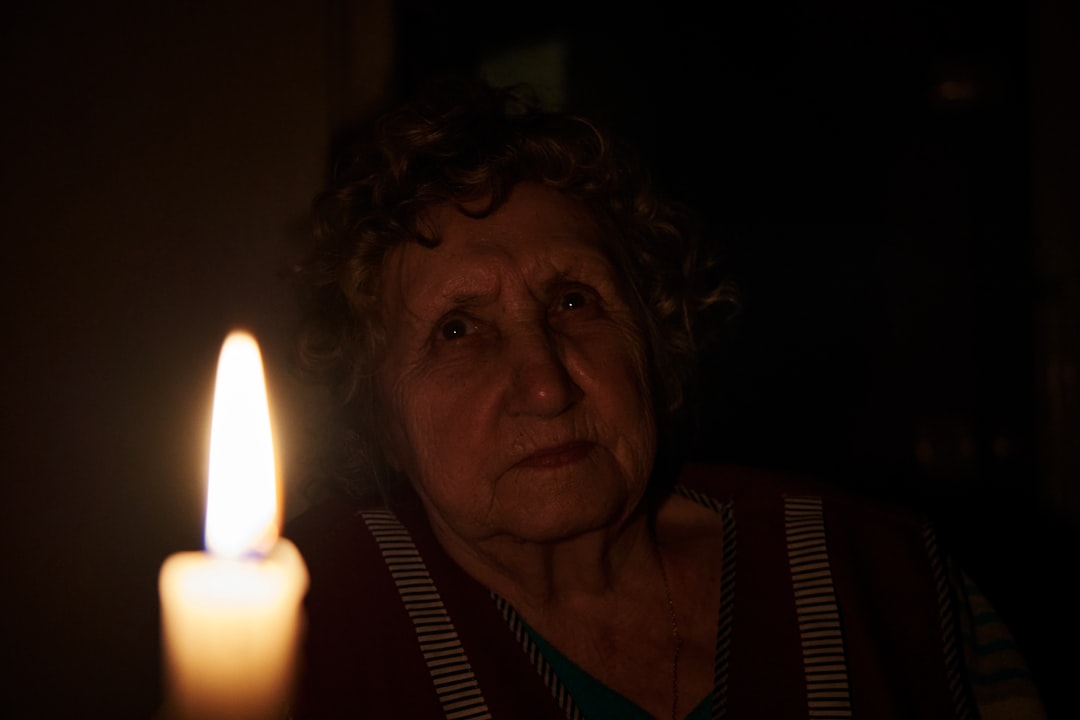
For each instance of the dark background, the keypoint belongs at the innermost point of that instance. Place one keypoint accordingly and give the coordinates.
(894, 185)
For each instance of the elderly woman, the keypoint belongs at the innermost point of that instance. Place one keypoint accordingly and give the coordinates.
(510, 319)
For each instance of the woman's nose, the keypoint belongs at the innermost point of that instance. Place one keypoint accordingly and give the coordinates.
(540, 383)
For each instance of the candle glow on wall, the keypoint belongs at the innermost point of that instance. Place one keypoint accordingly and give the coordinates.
(232, 617)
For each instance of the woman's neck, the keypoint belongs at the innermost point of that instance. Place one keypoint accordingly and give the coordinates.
(543, 575)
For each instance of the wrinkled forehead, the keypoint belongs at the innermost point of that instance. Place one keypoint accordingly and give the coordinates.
(538, 236)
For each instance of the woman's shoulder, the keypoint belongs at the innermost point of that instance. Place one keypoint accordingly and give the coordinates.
(750, 489)
(334, 536)
(357, 659)
(321, 521)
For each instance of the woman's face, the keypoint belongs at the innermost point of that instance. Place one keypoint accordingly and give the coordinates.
(513, 381)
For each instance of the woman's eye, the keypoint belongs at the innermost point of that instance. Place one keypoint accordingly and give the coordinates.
(454, 329)
(574, 300)
(575, 304)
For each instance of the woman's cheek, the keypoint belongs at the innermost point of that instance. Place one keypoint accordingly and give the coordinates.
(445, 391)
(613, 357)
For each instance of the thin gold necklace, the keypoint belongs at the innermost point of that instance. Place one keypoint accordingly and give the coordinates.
(676, 636)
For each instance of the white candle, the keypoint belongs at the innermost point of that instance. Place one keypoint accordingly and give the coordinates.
(232, 617)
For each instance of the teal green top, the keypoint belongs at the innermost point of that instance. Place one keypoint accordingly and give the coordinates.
(596, 700)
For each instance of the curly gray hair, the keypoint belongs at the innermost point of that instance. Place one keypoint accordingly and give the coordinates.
(463, 142)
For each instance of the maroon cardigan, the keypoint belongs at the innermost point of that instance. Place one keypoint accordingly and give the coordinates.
(891, 591)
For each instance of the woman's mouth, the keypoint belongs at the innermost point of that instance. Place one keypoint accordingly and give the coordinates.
(557, 456)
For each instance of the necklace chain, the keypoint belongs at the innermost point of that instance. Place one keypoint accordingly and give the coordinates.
(676, 636)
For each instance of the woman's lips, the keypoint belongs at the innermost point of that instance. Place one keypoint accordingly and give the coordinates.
(557, 456)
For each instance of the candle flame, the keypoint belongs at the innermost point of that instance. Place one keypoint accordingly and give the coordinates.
(242, 498)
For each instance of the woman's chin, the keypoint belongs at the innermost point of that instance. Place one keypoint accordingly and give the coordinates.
(561, 504)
